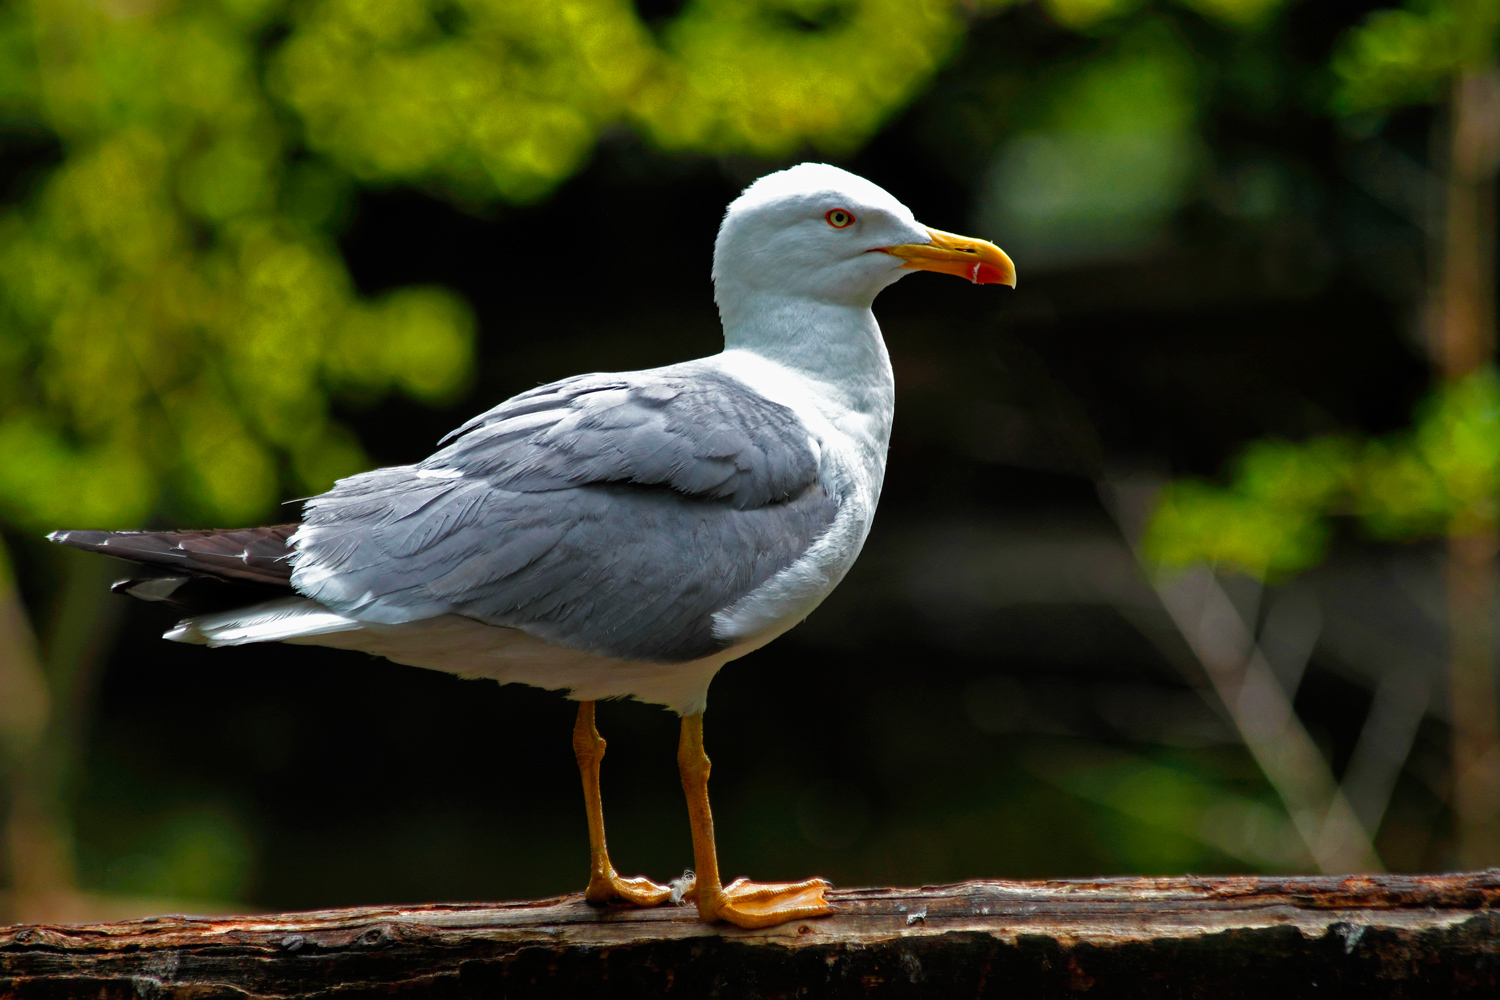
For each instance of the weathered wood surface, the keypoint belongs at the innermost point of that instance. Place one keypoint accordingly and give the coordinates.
(1367, 936)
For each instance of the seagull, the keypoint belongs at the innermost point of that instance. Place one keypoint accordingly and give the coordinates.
(619, 535)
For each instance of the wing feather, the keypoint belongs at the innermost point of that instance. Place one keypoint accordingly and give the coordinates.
(613, 514)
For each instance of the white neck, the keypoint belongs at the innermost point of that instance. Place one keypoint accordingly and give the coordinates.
(839, 345)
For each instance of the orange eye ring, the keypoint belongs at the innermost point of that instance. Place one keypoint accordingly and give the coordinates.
(840, 218)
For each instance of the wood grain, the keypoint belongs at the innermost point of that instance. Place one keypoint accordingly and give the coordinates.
(1365, 936)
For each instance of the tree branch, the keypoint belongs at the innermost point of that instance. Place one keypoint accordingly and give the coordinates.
(1385, 935)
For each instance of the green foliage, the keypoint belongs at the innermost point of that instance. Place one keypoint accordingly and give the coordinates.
(1268, 522)
(488, 98)
(1244, 14)
(1082, 15)
(751, 77)
(1169, 811)
(1272, 518)
(1405, 56)
(169, 331)
(1447, 468)
(495, 99)
(1444, 471)
(1111, 154)
(200, 852)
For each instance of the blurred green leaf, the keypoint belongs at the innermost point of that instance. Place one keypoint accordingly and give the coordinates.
(1459, 438)
(748, 76)
(1405, 56)
(1169, 814)
(1244, 14)
(174, 318)
(1272, 517)
(199, 853)
(1195, 522)
(491, 99)
(1081, 15)
(1113, 153)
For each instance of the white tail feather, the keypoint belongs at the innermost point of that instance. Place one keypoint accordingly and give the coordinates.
(283, 618)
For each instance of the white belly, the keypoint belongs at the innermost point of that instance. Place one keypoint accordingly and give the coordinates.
(462, 646)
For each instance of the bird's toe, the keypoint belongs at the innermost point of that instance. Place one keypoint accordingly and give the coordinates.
(753, 904)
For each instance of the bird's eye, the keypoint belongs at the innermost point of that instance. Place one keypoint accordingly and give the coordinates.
(840, 218)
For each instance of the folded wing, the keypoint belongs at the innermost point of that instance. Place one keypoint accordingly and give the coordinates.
(613, 514)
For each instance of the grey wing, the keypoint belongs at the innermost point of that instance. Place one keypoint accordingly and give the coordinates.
(613, 514)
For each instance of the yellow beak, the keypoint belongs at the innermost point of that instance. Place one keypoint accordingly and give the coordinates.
(978, 260)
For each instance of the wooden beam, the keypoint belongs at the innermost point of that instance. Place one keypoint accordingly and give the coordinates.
(1365, 936)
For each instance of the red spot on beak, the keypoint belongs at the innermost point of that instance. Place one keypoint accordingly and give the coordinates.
(985, 273)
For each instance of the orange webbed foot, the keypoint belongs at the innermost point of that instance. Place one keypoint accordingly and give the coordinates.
(607, 887)
(765, 904)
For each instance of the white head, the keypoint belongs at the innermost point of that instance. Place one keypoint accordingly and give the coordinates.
(823, 235)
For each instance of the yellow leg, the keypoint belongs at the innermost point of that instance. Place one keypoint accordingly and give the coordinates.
(742, 902)
(604, 884)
